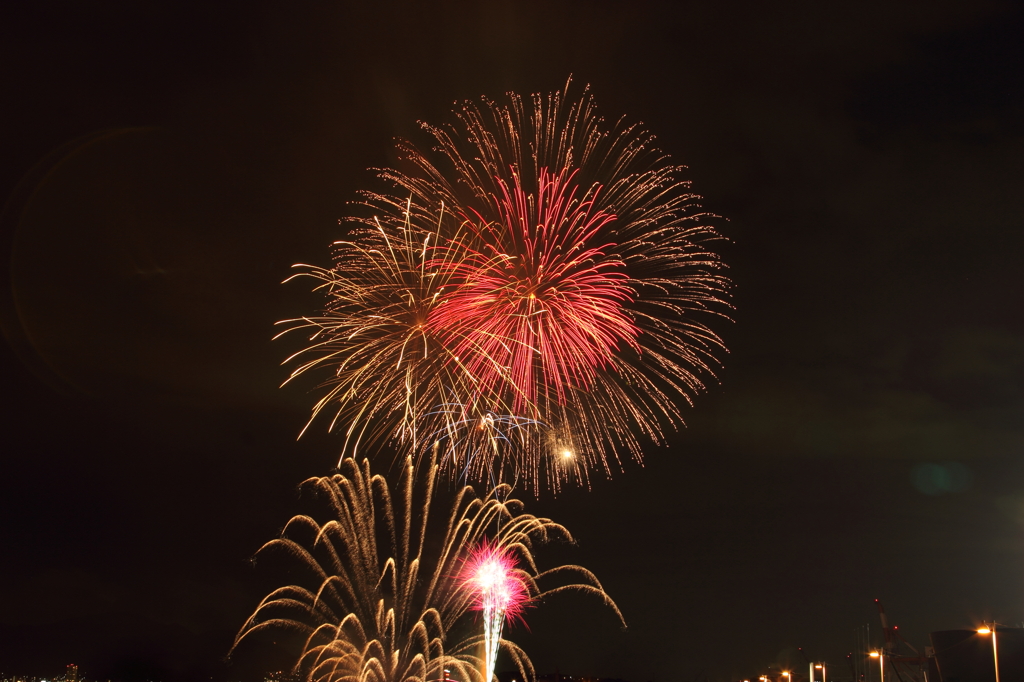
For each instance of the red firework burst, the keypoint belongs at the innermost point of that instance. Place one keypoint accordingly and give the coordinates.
(539, 306)
(492, 577)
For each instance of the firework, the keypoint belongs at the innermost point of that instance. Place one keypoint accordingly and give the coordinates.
(542, 302)
(388, 371)
(385, 597)
(567, 285)
(585, 280)
(482, 444)
(500, 593)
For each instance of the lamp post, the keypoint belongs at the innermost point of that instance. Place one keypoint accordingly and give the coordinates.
(995, 650)
(881, 663)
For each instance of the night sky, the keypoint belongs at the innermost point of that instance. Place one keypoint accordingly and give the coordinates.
(165, 163)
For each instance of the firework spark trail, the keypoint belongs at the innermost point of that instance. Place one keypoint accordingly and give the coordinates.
(471, 440)
(384, 598)
(388, 369)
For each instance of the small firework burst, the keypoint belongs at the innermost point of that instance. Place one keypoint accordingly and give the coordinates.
(500, 592)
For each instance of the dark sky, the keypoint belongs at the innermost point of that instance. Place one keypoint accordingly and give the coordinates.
(166, 163)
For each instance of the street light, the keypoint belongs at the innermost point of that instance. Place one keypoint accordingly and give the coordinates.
(985, 630)
(881, 663)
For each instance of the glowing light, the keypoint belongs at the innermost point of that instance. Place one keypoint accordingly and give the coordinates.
(566, 453)
(984, 631)
(874, 654)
